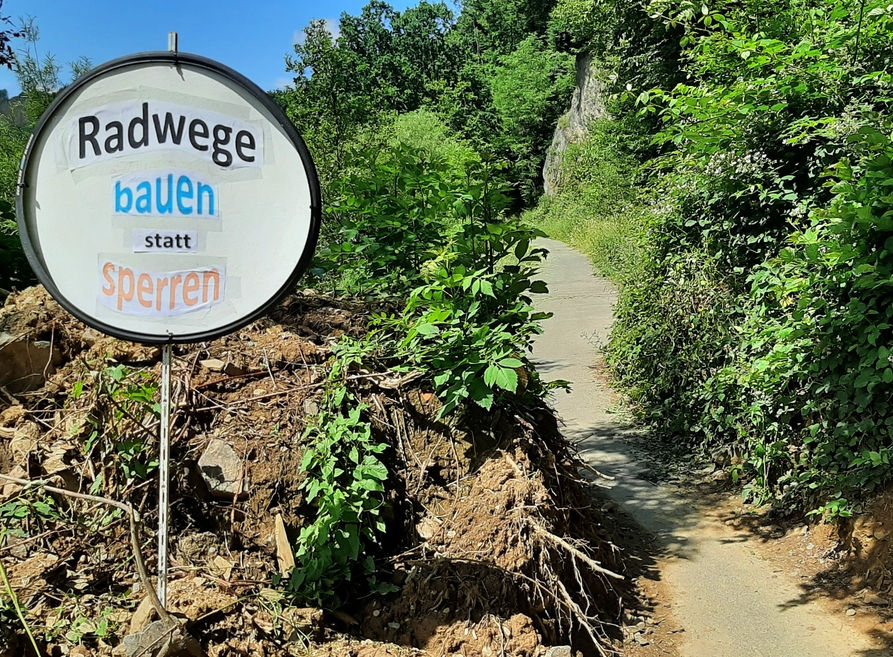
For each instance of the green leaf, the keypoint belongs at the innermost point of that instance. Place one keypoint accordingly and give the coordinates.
(427, 330)
(507, 379)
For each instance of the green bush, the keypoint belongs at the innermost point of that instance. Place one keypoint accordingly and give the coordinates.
(597, 206)
(758, 323)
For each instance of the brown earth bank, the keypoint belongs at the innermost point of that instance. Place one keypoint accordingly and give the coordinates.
(495, 543)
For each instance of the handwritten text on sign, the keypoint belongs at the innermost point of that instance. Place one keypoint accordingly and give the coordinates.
(135, 127)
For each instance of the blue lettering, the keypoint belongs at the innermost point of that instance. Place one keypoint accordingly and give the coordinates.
(168, 194)
(124, 193)
(144, 200)
(205, 191)
(184, 193)
(168, 207)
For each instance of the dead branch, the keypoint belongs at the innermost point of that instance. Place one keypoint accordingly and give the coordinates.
(560, 542)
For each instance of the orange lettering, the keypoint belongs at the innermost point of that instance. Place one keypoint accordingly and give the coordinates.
(175, 281)
(207, 277)
(160, 284)
(144, 286)
(124, 274)
(190, 285)
(107, 270)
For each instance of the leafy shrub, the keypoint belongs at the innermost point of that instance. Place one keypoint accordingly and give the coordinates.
(411, 231)
(597, 206)
(757, 324)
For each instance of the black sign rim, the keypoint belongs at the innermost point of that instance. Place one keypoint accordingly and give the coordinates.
(202, 63)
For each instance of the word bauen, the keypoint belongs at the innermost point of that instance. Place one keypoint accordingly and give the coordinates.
(162, 195)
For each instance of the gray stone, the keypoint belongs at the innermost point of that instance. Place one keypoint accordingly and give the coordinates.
(149, 642)
(221, 468)
(213, 364)
(24, 364)
(587, 105)
(311, 407)
(159, 639)
(559, 651)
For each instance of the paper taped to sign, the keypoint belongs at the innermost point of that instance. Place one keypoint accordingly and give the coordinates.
(165, 194)
(165, 241)
(131, 127)
(160, 294)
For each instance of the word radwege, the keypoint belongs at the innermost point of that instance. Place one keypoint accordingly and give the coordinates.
(226, 141)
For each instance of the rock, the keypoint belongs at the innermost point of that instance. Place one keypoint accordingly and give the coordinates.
(25, 364)
(24, 440)
(10, 489)
(57, 464)
(876, 600)
(221, 468)
(587, 105)
(427, 528)
(213, 364)
(158, 639)
(197, 548)
(880, 533)
(850, 612)
(10, 416)
(142, 616)
(641, 639)
(222, 567)
(559, 651)
(284, 554)
(311, 407)
(91, 336)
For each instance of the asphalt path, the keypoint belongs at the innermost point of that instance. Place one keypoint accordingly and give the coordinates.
(725, 596)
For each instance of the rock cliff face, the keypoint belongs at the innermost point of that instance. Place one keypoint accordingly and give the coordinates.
(587, 104)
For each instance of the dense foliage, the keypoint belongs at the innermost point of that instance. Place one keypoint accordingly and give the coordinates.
(487, 72)
(427, 128)
(759, 324)
(416, 224)
(40, 78)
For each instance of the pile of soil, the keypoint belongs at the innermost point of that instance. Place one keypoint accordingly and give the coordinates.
(494, 541)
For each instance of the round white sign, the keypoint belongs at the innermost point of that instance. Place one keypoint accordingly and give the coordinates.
(164, 197)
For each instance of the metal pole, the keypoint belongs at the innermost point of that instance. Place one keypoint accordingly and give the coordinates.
(164, 447)
(164, 472)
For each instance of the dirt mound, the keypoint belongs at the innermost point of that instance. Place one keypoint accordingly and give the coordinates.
(493, 542)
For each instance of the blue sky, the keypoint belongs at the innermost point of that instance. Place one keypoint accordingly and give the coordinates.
(251, 37)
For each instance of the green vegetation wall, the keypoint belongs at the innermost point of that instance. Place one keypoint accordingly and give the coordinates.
(487, 72)
(759, 322)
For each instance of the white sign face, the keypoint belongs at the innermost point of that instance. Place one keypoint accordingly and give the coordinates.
(165, 197)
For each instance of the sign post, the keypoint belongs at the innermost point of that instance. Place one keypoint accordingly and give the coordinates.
(164, 198)
(164, 477)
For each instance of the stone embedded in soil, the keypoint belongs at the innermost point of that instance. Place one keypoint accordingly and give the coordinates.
(221, 468)
(213, 364)
(24, 439)
(158, 639)
(427, 528)
(559, 651)
(24, 363)
(284, 554)
(142, 616)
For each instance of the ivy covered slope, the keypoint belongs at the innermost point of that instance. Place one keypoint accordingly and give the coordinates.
(759, 323)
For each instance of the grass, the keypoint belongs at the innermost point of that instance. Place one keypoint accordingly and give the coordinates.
(597, 208)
